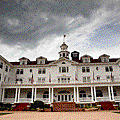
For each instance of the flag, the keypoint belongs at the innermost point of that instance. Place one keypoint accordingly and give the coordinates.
(76, 76)
(64, 36)
(49, 77)
(111, 76)
(93, 76)
(32, 79)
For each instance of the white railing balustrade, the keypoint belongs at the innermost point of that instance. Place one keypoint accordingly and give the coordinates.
(117, 97)
(25, 99)
(43, 99)
(9, 100)
(102, 98)
(85, 99)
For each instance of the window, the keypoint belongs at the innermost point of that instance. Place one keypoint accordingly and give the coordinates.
(86, 60)
(86, 79)
(17, 72)
(63, 62)
(85, 69)
(111, 69)
(23, 62)
(6, 69)
(105, 59)
(82, 94)
(0, 77)
(9, 70)
(99, 93)
(63, 69)
(115, 93)
(96, 68)
(108, 69)
(5, 78)
(107, 77)
(46, 94)
(74, 54)
(63, 80)
(63, 54)
(98, 78)
(40, 61)
(41, 80)
(30, 70)
(21, 72)
(1, 65)
(41, 71)
(58, 80)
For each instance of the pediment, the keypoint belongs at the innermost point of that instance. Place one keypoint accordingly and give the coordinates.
(61, 60)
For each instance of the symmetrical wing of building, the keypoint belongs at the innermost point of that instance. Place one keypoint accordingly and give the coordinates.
(82, 80)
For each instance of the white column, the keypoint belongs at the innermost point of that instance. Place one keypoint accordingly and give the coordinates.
(16, 96)
(74, 95)
(109, 93)
(49, 94)
(112, 93)
(95, 94)
(52, 95)
(92, 93)
(3, 94)
(32, 95)
(77, 95)
(35, 95)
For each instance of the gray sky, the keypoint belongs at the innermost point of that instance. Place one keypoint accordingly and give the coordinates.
(33, 28)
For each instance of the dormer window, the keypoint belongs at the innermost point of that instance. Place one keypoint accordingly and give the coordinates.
(63, 54)
(74, 54)
(23, 62)
(86, 60)
(1, 65)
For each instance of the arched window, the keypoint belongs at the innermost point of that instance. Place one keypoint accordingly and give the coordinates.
(63, 62)
(114, 92)
(82, 94)
(99, 93)
(63, 54)
(46, 94)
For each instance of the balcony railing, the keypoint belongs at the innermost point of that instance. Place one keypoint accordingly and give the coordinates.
(9, 100)
(117, 98)
(25, 100)
(43, 99)
(85, 99)
(102, 98)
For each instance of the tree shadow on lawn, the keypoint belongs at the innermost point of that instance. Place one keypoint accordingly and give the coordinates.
(4, 113)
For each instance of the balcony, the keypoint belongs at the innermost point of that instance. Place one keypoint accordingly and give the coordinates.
(85, 99)
(102, 98)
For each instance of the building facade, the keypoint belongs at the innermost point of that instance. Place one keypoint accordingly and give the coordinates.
(84, 80)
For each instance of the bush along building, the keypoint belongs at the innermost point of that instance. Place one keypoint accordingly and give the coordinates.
(84, 81)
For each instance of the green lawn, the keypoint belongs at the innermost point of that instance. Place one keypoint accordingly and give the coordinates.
(4, 113)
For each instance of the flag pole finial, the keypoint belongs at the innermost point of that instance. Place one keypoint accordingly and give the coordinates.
(64, 39)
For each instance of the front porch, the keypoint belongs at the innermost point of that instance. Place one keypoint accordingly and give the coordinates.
(70, 94)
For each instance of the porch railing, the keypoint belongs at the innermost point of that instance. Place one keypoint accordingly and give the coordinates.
(102, 98)
(25, 99)
(43, 99)
(9, 100)
(117, 97)
(85, 99)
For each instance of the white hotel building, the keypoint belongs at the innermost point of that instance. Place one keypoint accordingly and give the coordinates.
(84, 80)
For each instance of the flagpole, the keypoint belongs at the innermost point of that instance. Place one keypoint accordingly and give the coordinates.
(64, 39)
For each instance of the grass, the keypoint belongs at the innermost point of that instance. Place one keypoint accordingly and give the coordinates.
(4, 113)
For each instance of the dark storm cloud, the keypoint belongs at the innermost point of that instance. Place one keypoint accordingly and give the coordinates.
(30, 21)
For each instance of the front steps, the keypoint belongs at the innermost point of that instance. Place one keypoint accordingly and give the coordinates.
(20, 106)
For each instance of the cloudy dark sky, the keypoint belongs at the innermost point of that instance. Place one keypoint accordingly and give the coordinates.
(33, 28)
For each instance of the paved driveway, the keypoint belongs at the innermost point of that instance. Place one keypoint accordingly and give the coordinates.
(26, 115)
